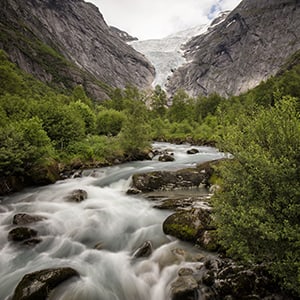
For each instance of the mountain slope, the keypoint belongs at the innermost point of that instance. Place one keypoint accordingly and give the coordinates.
(248, 47)
(166, 54)
(67, 42)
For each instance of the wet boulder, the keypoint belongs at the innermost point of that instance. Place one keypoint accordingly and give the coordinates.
(21, 234)
(77, 196)
(145, 250)
(185, 286)
(166, 158)
(24, 219)
(39, 284)
(168, 180)
(192, 151)
(188, 225)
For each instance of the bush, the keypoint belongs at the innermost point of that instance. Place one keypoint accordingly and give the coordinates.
(258, 209)
(110, 122)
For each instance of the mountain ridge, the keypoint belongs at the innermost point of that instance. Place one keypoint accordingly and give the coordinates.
(248, 47)
(76, 41)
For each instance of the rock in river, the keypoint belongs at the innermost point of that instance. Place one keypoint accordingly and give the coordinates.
(39, 284)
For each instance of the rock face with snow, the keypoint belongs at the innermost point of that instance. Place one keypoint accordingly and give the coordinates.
(165, 54)
(249, 46)
(67, 42)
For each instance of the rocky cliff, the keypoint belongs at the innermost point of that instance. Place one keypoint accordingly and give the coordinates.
(67, 42)
(251, 44)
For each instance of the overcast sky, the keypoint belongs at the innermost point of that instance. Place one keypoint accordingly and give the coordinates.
(147, 19)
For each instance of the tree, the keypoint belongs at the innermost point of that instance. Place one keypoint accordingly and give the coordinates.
(79, 94)
(86, 114)
(62, 123)
(23, 145)
(135, 134)
(181, 108)
(159, 102)
(110, 122)
(258, 208)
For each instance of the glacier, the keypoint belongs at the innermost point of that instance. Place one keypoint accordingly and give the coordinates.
(167, 54)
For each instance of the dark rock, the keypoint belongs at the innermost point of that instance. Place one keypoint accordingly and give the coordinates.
(168, 180)
(21, 234)
(188, 225)
(185, 287)
(99, 246)
(192, 151)
(77, 196)
(133, 191)
(24, 219)
(166, 158)
(145, 250)
(39, 284)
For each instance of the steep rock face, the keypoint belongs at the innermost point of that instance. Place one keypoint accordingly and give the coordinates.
(249, 46)
(123, 35)
(73, 37)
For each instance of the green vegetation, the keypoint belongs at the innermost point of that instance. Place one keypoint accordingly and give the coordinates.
(41, 127)
(257, 208)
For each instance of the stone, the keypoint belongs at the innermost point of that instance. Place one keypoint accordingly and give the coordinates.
(188, 225)
(145, 250)
(20, 234)
(192, 151)
(25, 219)
(39, 284)
(133, 191)
(169, 180)
(166, 158)
(184, 288)
(77, 196)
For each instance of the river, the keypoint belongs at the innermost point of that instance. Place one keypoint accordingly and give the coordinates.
(121, 223)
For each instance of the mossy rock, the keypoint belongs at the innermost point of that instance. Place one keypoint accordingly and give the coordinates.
(39, 284)
(188, 225)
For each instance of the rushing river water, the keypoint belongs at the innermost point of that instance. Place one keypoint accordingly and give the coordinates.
(121, 223)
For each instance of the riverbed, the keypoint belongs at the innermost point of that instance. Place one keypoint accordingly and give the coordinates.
(98, 236)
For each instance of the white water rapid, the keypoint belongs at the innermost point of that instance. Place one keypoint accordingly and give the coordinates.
(121, 223)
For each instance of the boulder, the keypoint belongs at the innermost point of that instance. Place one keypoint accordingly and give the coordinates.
(21, 234)
(145, 250)
(192, 151)
(168, 180)
(77, 196)
(188, 225)
(185, 287)
(166, 158)
(24, 219)
(39, 284)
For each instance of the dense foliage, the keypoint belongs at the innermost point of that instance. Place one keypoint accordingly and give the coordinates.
(258, 208)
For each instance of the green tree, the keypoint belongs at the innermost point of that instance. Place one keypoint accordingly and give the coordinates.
(23, 145)
(135, 133)
(258, 208)
(182, 107)
(62, 123)
(87, 115)
(110, 122)
(159, 102)
(79, 94)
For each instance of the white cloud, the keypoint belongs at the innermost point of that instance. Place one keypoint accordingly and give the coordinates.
(157, 18)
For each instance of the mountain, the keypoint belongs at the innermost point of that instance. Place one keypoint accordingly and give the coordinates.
(249, 46)
(166, 54)
(67, 42)
(123, 35)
